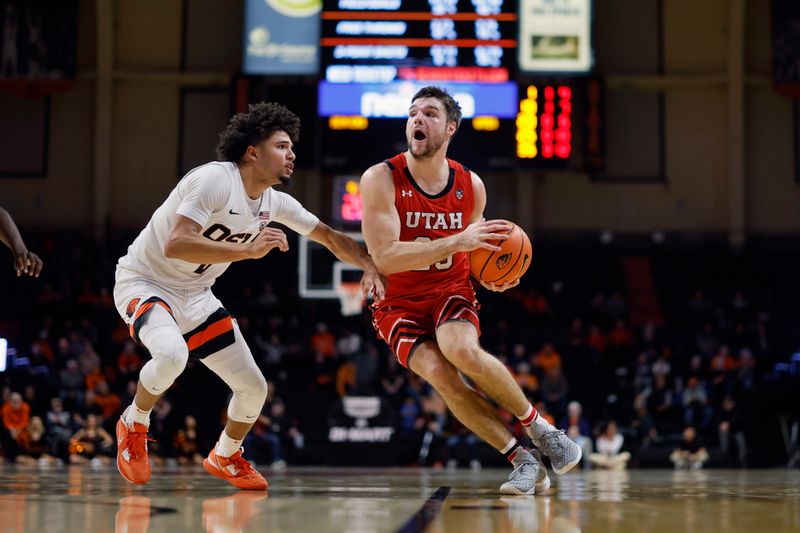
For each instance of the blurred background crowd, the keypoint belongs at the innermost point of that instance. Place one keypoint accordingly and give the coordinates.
(647, 355)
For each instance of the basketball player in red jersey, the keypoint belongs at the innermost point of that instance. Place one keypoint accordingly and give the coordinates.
(422, 214)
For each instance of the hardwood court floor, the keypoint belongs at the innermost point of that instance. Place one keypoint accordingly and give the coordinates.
(78, 499)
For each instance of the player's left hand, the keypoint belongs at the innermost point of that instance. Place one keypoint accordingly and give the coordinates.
(373, 284)
(499, 287)
(28, 263)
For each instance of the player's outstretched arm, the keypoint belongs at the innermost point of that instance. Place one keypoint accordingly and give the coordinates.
(25, 261)
(186, 243)
(349, 251)
(381, 228)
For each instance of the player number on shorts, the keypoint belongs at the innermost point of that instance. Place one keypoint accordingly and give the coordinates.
(444, 264)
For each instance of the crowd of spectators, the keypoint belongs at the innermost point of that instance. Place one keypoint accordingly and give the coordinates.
(624, 384)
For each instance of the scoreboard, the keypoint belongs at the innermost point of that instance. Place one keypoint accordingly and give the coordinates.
(382, 41)
(376, 54)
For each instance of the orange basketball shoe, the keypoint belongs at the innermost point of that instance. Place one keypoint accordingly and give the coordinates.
(132, 460)
(235, 469)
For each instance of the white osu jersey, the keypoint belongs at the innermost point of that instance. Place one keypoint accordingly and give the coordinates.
(214, 196)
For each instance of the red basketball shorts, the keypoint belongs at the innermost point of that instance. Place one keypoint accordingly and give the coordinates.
(404, 323)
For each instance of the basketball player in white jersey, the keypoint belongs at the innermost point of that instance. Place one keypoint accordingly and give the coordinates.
(218, 213)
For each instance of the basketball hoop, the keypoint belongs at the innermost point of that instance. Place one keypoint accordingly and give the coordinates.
(350, 298)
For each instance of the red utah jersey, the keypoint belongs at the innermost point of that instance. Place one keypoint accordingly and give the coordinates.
(425, 217)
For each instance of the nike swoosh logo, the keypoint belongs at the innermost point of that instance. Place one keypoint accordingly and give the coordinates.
(232, 212)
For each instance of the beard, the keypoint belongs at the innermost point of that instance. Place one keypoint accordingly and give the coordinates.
(285, 180)
(432, 146)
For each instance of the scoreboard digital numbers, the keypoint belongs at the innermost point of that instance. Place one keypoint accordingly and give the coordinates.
(544, 123)
(383, 41)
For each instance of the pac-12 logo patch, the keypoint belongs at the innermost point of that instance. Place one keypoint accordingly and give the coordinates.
(459, 193)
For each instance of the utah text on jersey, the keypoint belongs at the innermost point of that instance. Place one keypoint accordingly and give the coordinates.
(435, 220)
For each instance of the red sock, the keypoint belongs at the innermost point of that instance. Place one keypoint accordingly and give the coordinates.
(529, 416)
(511, 450)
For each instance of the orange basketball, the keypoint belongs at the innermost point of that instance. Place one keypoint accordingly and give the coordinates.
(506, 265)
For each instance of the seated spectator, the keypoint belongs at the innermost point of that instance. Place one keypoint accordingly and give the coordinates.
(349, 343)
(461, 443)
(722, 367)
(187, 451)
(59, 428)
(94, 378)
(366, 361)
(129, 362)
(91, 443)
(730, 424)
(554, 390)
(434, 450)
(108, 402)
(163, 426)
(620, 335)
(273, 430)
(578, 429)
(527, 381)
(547, 358)
(33, 445)
(596, 339)
(689, 453)
(346, 378)
(697, 411)
(323, 342)
(72, 384)
(659, 401)
(16, 417)
(609, 445)
(393, 382)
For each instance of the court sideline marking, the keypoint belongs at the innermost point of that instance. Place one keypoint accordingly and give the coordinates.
(426, 513)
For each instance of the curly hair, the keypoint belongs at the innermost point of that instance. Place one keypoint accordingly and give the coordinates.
(248, 129)
(451, 106)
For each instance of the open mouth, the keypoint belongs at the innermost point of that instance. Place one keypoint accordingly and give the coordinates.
(419, 136)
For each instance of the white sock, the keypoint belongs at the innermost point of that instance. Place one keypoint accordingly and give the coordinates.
(539, 427)
(134, 414)
(227, 446)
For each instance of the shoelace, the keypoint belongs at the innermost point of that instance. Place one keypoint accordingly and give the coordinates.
(553, 435)
(518, 470)
(243, 467)
(135, 442)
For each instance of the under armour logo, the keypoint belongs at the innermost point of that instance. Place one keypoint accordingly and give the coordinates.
(406, 193)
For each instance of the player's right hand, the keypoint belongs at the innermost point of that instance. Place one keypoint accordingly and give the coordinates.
(479, 234)
(28, 263)
(268, 239)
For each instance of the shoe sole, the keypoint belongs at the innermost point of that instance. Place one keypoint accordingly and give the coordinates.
(214, 471)
(569, 466)
(539, 487)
